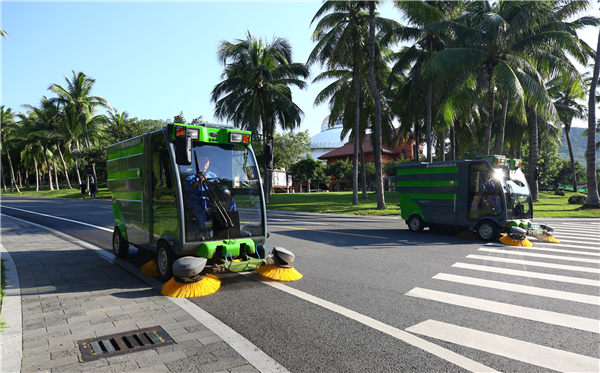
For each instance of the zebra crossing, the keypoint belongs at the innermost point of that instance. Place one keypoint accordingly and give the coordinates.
(555, 269)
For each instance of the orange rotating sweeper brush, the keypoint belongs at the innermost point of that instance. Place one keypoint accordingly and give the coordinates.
(282, 270)
(188, 280)
(514, 242)
(150, 268)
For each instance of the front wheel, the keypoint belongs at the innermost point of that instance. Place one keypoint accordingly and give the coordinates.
(164, 261)
(415, 223)
(487, 230)
(120, 246)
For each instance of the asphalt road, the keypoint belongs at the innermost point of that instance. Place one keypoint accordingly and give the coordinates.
(368, 281)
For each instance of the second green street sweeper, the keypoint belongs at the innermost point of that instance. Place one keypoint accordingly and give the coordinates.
(489, 195)
(193, 196)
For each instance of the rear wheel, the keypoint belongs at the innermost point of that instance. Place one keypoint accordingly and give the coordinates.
(487, 230)
(415, 223)
(164, 261)
(120, 246)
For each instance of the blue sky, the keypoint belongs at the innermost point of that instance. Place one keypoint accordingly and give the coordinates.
(148, 58)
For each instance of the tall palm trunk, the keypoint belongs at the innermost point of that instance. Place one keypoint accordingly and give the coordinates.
(13, 181)
(74, 153)
(87, 141)
(571, 157)
(377, 130)
(363, 172)
(356, 131)
(37, 175)
(488, 129)
(428, 134)
(55, 173)
(417, 141)
(3, 179)
(442, 145)
(533, 158)
(590, 154)
(453, 142)
(48, 168)
(27, 178)
(64, 165)
(500, 137)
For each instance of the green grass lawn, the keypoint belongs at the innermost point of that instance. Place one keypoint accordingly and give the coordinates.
(62, 193)
(549, 205)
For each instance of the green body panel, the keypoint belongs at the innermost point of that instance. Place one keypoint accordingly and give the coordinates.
(409, 207)
(235, 247)
(125, 152)
(118, 218)
(431, 170)
(422, 183)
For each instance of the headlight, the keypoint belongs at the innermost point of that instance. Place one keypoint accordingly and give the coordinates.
(239, 137)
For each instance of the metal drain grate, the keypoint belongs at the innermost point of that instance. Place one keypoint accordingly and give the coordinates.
(123, 343)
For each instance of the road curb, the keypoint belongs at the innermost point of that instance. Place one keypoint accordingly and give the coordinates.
(11, 340)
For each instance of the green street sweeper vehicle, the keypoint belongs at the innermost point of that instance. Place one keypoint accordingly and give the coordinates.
(489, 195)
(191, 191)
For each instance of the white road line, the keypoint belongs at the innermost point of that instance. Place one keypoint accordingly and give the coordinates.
(548, 317)
(403, 336)
(255, 356)
(59, 218)
(545, 244)
(591, 231)
(542, 356)
(536, 264)
(524, 253)
(524, 289)
(550, 249)
(538, 275)
(580, 242)
(583, 236)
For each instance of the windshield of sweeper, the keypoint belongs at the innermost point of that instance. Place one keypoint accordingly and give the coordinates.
(518, 195)
(221, 194)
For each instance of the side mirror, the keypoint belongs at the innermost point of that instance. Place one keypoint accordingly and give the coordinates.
(183, 150)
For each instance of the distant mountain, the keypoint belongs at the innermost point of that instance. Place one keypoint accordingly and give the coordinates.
(579, 144)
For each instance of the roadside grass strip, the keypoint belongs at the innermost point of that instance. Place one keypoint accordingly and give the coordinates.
(542, 356)
(533, 314)
(524, 253)
(536, 264)
(399, 334)
(537, 275)
(523, 289)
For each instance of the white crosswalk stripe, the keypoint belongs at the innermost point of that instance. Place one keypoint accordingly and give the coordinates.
(546, 357)
(532, 290)
(538, 275)
(573, 262)
(525, 253)
(535, 263)
(548, 317)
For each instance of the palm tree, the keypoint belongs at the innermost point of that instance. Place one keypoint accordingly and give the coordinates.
(590, 154)
(255, 92)
(377, 100)
(567, 90)
(8, 130)
(77, 94)
(3, 34)
(340, 36)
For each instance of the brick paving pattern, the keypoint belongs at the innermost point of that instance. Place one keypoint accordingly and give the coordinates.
(69, 293)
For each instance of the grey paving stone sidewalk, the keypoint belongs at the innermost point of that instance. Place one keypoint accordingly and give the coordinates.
(69, 293)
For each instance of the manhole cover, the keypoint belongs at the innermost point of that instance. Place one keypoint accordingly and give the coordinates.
(123, 343)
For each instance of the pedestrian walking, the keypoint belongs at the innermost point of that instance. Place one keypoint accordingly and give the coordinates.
(93, 190)
(83, 188)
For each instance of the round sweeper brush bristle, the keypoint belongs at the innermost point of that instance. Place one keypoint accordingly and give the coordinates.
(208, 285)
(549, 238)
(150, 268)
(512, 242)
(274, 272)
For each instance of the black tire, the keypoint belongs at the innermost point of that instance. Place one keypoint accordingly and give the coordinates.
(120, 246)
(487, 230)
(164, 261)
(415, 223)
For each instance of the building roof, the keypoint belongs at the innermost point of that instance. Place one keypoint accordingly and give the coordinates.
(348, 149)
